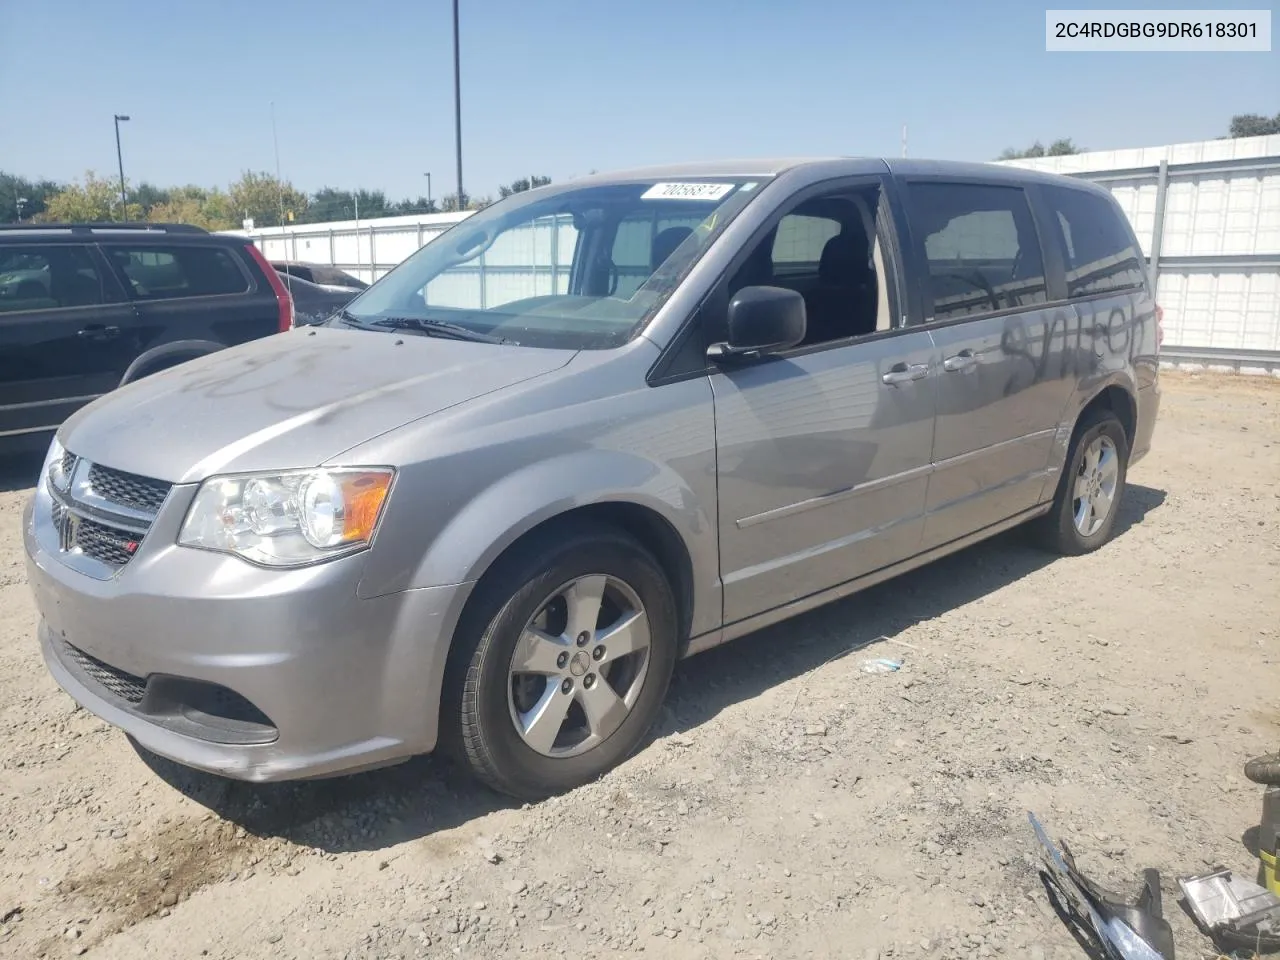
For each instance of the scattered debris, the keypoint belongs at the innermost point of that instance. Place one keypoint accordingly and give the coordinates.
(1136, 931)
(881, 665)
(1233, 911)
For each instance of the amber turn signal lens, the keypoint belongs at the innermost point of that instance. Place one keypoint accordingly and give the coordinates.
(362, 497)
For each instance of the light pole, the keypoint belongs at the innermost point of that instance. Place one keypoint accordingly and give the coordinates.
(428, 176)
(457, 105)
(124, 202)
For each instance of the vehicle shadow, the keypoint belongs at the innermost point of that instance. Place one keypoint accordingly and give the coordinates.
(745, 668)
(379, 809)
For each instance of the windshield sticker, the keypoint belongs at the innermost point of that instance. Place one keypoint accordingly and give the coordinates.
(687, 191)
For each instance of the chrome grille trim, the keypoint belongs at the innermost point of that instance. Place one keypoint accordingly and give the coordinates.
(104, 513)
(127, 489)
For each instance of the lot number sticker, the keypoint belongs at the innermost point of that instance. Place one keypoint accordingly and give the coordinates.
(687, 191)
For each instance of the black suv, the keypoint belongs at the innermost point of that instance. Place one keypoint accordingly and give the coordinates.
(85, 308)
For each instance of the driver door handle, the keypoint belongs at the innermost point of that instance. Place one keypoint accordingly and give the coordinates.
(964, 360)
(902, 373)
(96, 331)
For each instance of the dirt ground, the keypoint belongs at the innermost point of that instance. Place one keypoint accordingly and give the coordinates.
(789, 805)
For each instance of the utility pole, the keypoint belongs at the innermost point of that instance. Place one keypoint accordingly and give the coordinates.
(457, 105)
(124, 202)
(22, 202)
(904, 140)
(428, 176)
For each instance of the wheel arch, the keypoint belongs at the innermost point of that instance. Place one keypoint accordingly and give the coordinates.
(1119, 401)
(168, 355)
(641, 522)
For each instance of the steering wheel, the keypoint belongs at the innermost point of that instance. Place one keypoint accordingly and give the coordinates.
(979, 281)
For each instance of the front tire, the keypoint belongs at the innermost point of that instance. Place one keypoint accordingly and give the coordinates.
(1092, 484)
(561, 667)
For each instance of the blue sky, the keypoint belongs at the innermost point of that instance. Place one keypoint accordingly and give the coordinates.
(364, 91)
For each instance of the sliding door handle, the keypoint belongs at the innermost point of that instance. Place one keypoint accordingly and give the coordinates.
(902, 373)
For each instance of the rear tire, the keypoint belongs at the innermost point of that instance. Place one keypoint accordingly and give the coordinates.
(1090, 489)
(541, 695)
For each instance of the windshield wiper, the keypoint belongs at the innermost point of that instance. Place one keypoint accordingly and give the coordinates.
(349, 318)
(434, 328)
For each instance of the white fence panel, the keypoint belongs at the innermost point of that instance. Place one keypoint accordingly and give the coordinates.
(1215, 250)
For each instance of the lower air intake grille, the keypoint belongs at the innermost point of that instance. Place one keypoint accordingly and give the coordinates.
(123, 686)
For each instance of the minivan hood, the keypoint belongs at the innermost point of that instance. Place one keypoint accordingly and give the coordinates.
(294, 399)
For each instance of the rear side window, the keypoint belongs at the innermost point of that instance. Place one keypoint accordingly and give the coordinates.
(44, 278)
(335, 277)
(165, 273)
(981, 248)
(1101, 254)
(293, 270)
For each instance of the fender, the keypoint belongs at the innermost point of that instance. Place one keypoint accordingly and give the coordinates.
(492, 520)
(187, 349)
(1088, 392)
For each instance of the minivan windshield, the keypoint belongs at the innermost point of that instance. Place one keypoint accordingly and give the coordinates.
(573, 267)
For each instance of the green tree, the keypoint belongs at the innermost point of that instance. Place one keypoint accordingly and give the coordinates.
(195, 205)
(147, 195)
(35, 195)
(1254, 125)
(421, 205)
(449, 203)
(1058, 148)
(328, 203)
(97, 199)
(373, 203)
(520, 186)
(261, 196)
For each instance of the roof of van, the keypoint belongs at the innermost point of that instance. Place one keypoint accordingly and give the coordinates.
(834, 166)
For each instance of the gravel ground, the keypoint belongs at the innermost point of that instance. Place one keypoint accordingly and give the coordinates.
(789, 805)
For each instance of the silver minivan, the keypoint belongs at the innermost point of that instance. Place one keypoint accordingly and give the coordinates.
(590, 430)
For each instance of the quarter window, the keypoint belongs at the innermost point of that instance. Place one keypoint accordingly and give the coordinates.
(981, 248)
(167, 273)
(1101, 253)
(43, 278)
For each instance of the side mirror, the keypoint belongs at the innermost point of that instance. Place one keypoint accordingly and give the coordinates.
(762, 320)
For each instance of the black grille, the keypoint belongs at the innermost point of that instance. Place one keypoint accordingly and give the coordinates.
(129, 489)
(105, 543)
(124, 686)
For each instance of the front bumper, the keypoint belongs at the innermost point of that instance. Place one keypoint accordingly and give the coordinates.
(342, 683)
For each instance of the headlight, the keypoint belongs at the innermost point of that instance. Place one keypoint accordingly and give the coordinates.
(55, 467)
(287, 519)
